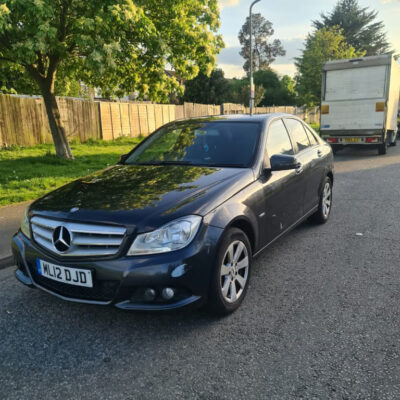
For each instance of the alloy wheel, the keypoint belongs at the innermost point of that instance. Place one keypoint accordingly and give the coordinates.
(234, 271)
(326, 199)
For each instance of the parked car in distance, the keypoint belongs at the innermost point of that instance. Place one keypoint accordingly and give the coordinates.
(179, 219)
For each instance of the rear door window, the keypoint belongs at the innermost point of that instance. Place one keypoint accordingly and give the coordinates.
(297, 133)
(311, 136)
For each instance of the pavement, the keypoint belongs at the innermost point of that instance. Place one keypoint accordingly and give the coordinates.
(321, 319)
(10, 219)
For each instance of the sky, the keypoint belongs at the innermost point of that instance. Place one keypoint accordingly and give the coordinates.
(292, 20)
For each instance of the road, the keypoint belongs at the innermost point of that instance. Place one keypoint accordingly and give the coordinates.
(320, 321)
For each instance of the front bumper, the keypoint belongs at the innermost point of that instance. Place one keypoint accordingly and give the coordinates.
(121, 281)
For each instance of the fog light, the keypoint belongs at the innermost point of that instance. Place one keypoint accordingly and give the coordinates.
(168, 293)
(149, 294)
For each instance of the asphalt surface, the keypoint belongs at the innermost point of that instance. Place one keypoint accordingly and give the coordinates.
(320, 321)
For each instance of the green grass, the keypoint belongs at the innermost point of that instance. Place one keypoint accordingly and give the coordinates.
(29, 172)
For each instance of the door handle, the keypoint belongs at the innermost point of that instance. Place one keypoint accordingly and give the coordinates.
(299, 169)
(319, 152)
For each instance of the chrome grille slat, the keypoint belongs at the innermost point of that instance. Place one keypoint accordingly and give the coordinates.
(44, 233)
(86, 239)
(96, 241)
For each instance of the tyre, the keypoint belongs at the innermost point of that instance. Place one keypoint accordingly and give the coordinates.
(382, 149)
(321, 216)
(335, 148)
(231, 273)
(393, 138)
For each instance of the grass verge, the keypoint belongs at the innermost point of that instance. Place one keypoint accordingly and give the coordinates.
(29, 172)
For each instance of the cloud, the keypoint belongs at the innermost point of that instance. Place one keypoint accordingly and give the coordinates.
(232, 70)
(390, 1)
(228, 3)
(284, 69)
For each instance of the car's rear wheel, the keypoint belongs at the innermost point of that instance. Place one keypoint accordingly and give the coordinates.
(231, 273)
(325, 203)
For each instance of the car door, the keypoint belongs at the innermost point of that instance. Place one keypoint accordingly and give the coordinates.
(282, 191)
(306, 151)
(318, 168)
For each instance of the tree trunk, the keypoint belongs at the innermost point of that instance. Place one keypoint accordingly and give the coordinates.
(57, 130)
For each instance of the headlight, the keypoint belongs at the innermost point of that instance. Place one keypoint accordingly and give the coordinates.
(173, 236)
(25, 229)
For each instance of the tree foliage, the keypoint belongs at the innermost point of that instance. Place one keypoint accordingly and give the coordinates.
(239, 92)
(277, 91)
(264, 52)
(359, 25)
(321, 46)
(207, 90)
(119, 46)
(270, 89)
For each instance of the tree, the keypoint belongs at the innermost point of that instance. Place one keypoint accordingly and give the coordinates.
(359, 26)
(321, 46)
(119, 46)
(264, 53)
(288, 92)
(239, 92)
(207, 90)
(14, 80)
(277, 91)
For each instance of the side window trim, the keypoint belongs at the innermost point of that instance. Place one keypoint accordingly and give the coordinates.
(294, 143)
(310, 132)
(294, 147)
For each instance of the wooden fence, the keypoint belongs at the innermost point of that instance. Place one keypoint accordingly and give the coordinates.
(23, 120)
(310, 115)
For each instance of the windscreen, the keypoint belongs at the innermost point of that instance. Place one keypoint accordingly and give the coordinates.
(217, 143)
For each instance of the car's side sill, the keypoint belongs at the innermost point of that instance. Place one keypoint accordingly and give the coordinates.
(304, 217)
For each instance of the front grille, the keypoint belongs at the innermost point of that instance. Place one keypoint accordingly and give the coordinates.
(101, 290)
(84, 239)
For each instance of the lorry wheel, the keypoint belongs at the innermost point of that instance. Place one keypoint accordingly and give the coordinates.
(382, 149)
(335, 149)
(393, 139)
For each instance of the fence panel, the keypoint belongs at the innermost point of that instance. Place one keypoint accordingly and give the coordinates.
(179, 112)
(143, 120)
(134, 120)
(151, 118)
(106, 121)
(23, 120)
(125, 120)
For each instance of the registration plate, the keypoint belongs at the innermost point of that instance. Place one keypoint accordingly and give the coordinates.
(59, 273)
(351, 140)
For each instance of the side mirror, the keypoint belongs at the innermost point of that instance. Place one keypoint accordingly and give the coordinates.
(283, 162)
(123, 158)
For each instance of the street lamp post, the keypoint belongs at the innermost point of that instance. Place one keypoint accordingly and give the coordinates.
(252, 90)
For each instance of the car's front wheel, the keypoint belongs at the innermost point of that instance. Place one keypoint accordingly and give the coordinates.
(231, 273)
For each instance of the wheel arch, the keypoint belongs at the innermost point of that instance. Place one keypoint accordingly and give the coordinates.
(245, 225)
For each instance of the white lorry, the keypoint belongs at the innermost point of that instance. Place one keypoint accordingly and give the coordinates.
(360, 102)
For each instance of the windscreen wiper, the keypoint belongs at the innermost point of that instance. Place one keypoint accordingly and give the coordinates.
(222, 165)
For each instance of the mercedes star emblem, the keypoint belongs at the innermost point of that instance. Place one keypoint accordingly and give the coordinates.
(61, 239)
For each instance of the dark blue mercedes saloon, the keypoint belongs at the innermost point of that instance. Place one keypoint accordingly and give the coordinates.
(179, 219)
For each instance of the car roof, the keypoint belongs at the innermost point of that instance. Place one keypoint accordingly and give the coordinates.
(240, 117)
